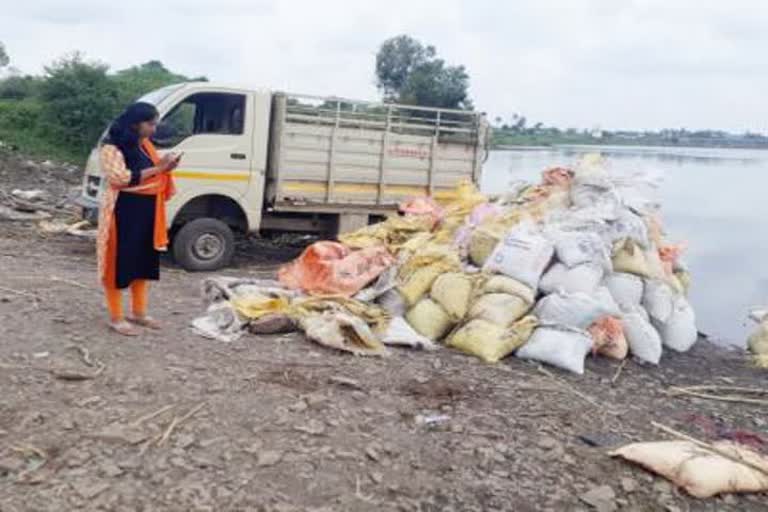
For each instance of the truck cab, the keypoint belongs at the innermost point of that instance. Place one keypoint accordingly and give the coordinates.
(255, 159)
(222, 133)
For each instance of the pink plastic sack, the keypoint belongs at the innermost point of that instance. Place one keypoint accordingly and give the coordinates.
(422, 206)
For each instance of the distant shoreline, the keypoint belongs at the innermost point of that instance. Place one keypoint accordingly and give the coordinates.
(597, 145)
(544, 138)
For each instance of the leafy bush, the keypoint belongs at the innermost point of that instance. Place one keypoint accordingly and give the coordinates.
(63, 112)
(79, 100)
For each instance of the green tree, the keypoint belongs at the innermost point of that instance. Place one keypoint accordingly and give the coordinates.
(17, 87)
(79, 99)
(4, 59)
(138, 80)
(409, 72)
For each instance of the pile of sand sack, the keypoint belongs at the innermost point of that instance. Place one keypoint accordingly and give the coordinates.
(578, 264)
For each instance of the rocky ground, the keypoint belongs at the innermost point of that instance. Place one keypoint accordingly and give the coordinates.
(170, 421)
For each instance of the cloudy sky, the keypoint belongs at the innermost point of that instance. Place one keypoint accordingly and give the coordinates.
(581, 63)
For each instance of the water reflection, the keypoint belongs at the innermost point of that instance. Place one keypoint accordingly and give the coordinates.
(714, 199)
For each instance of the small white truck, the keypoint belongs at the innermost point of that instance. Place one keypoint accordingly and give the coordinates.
(257, 160)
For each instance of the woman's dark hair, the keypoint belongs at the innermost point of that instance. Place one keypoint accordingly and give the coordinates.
(123, 133)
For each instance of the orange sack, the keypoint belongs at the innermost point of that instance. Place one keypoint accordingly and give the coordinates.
(608, 338)
(557, 176)
(330, 268)
(669, 254)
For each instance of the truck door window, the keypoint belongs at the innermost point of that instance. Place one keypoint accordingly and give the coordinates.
(202, 113)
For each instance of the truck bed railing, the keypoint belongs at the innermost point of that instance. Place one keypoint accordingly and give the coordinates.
(448, 125)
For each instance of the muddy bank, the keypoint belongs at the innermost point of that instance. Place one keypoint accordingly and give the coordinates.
(170, 421)
(285, 425)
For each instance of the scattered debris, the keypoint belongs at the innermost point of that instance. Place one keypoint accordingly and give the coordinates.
(122, 433)
(710, 392)
(431, 420)
(71, 374)
(177, 421)
(78, 228)
(345, 382)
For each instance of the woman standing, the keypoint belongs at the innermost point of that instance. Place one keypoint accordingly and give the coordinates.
(132, 223)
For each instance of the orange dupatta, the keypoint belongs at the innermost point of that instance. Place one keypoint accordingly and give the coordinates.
(162, 187)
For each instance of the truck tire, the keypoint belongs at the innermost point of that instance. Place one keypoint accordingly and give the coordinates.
(204, 244)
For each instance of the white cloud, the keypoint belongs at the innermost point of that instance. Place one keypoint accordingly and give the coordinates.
(614, 63)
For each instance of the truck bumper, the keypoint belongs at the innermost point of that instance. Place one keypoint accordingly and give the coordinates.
(90, 209)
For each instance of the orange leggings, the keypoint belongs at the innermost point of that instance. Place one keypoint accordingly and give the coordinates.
(139, 300)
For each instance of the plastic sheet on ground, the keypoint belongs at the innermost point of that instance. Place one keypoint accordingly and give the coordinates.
(342, 331)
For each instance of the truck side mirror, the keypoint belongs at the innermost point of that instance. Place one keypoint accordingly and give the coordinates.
(164, 135)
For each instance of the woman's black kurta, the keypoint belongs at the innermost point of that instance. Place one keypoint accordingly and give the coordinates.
(137, 257)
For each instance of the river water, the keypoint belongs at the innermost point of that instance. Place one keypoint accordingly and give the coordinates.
(713, 199)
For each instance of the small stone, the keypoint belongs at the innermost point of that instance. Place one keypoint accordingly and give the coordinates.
(268, 458)
(111, 469)
(88, 489)
(205, 443)
(299, 406)
(68, 423)
(76, 458)
(185, 441)
(130, 463)
(312, 427)
(376, 477)
(601, 498)
(662, 487)
(546, 443)
(314, 399)
(254, 448)
(344, 454)
(10, 464)
(179, 462)
(203, 462)
(372, 451)
(122, 433)
(628, 484)
(345, 382)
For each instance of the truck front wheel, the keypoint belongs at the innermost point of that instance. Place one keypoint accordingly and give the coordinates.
(204, 244)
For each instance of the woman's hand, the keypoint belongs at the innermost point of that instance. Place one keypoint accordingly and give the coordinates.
(169, 162)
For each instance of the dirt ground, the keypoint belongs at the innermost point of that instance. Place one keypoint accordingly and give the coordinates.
(171, 421)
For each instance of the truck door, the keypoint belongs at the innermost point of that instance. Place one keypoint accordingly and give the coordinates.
(211, 130)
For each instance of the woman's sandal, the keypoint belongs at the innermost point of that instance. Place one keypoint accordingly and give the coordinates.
(124, 328)
(146, 321)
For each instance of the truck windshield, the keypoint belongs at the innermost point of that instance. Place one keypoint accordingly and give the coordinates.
(155, 97)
